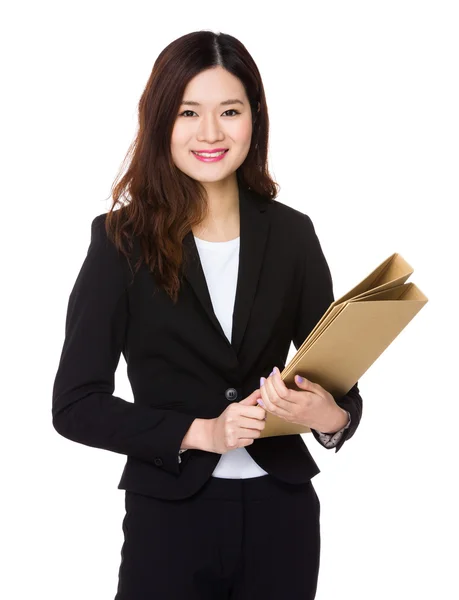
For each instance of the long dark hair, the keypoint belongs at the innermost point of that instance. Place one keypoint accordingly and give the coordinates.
(163, 203)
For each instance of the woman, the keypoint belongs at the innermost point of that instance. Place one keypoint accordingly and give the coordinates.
(202, 280)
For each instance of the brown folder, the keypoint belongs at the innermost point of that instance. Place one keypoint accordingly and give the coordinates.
(352, 333)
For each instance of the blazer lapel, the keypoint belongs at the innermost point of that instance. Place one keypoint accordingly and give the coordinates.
(254, 227)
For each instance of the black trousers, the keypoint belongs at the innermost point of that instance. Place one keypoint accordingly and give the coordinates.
(235, 539)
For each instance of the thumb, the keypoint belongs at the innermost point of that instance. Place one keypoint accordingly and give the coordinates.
(304, 383)
(252, 399)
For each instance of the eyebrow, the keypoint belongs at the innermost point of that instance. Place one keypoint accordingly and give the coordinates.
(224, 103)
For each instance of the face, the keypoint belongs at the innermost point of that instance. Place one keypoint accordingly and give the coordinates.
(207, 122)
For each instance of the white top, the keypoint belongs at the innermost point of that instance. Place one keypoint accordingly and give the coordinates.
(220, 263)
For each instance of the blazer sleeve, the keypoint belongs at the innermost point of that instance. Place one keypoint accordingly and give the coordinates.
(315, 297)
(84, 408)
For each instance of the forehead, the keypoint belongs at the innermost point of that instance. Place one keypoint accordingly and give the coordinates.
(212, 87)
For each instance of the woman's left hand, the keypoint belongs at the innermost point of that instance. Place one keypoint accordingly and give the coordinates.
(313, 407)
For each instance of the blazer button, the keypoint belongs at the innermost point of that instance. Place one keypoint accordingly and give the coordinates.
(159, 462)
(231, 394)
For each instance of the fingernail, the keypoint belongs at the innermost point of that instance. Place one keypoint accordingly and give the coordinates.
(262, 380)
(276, 370)
(260, 402)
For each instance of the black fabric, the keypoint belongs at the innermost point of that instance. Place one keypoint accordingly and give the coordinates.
(235, 539)
(179, 361)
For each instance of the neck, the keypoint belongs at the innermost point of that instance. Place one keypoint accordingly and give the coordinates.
(222, 220)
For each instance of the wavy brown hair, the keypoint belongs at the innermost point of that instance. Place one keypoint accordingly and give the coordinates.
(161, 204)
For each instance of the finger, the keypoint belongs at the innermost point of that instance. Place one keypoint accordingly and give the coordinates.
(267, 395)
(264, 395)
(309, 386)
(273, 402)
(275, 398)
(282, 391)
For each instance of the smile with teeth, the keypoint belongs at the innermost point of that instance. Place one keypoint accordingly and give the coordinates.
(209, 155)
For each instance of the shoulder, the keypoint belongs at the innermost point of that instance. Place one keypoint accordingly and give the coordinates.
(118, 255)
(292, 219)
(100, 240)
(99, 220)
(102, 248)
(98, 229)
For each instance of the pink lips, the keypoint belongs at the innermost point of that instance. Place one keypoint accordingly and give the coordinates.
(210, 150)
(211, 159)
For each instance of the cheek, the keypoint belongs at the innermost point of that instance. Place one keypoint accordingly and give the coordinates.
(244, 133)
(241, 137)
(179, 136)
(179, 144)
(174, 153)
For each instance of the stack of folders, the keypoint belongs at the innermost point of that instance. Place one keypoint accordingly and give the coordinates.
(354, 331)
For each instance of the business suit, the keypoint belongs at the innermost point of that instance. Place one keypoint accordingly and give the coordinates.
(180, 364)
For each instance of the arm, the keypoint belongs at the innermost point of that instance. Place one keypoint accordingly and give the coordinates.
(331, 440)
(315, 298)
(198, 437)
(84, 408)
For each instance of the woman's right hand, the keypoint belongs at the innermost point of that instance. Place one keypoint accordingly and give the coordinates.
(238, 425)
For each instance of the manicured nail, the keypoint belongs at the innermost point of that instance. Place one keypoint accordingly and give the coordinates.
(299, 378)
(262, 380)
(260, 402)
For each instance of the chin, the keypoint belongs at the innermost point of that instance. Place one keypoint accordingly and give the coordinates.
(217, 179)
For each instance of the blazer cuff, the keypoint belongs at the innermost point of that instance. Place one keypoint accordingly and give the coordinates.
(330, 440)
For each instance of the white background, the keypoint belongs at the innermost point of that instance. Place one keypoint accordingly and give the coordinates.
(363, 102)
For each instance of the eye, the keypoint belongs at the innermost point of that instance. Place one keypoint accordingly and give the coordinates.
(226, 111)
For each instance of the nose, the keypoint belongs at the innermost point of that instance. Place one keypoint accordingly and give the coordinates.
(209, 130)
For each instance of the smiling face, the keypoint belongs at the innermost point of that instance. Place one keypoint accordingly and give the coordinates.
(215, 114)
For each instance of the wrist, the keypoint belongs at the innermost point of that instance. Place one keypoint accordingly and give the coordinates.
(198, 436)
(341, 422)
(207, 428)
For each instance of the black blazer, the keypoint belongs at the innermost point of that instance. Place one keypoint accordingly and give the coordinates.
(180, 364)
